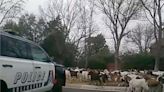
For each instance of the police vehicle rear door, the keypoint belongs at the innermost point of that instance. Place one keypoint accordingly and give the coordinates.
(15, 64)
(43, 68)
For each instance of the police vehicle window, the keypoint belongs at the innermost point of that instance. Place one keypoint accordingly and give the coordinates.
(14, 48)
(38, 54)
(22, 49)
(8, 47)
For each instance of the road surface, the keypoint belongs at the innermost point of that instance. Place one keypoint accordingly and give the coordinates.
(80, 90)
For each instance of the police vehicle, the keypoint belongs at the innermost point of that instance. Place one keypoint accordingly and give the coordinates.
(24, 66)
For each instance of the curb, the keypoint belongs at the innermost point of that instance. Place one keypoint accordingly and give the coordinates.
(98, 88)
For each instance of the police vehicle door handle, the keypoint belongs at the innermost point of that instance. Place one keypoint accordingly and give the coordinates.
(6, 65)
(37, 67)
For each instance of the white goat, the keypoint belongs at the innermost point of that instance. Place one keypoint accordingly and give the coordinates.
(138, 85)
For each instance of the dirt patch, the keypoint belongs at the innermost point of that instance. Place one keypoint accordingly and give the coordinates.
(97, 83)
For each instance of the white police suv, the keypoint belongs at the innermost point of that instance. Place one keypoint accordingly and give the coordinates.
(24, 66)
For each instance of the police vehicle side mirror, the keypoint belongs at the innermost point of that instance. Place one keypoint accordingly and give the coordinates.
(48, 60)
(52, 59)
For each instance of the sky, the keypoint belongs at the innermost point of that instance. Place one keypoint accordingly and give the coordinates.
(32, 6)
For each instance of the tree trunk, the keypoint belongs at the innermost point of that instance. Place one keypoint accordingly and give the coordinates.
(116, 56)
(116, 60)
(86, 55)
(158, 52)
(140, 49)
(159, 38)
(157, 60)
(86, 62)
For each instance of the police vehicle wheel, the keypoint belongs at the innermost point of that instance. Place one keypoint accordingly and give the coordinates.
(58, 88)
(3, 87)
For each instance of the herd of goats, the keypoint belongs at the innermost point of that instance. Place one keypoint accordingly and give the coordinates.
(135, 81)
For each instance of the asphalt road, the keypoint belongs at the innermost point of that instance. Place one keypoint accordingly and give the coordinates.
(80, 90)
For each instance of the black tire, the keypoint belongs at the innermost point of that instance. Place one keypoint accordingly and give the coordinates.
(3, 87)
(57, 88)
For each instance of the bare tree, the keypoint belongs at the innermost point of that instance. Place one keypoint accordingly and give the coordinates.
(9, 9)
(142, 36)
(68, 11)
(86, 25)
(76, 15)
(118, 14)
(153, 10)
